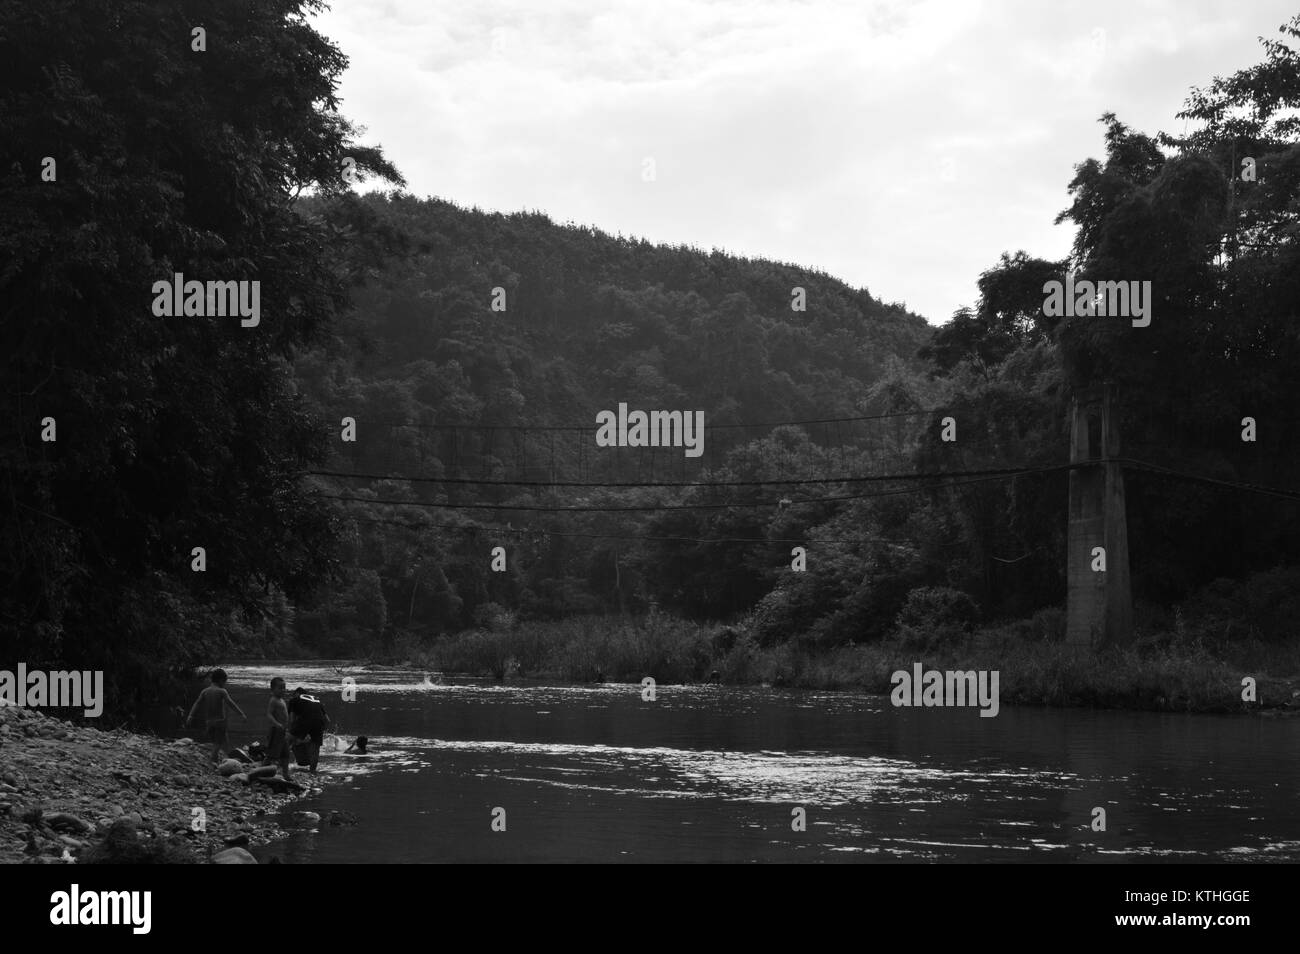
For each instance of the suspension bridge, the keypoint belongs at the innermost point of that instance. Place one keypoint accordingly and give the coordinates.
(515, 471)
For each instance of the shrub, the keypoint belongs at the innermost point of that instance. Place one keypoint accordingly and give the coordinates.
(933, 616)
(494, 618)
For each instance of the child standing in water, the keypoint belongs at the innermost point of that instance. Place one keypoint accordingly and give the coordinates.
(277, 743)
(212, 701)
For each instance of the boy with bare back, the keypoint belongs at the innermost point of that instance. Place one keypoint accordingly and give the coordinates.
(277, 743)
(212, 701)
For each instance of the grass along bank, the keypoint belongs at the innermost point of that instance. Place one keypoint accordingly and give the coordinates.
(1169, 671)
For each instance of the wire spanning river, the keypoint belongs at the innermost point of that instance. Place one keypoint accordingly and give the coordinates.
(594, 773)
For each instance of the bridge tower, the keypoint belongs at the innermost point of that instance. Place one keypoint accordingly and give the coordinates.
(1099, 604)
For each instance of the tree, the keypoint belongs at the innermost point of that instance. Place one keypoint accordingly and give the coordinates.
(1221, 256)
(1009, 315)
(172, 433)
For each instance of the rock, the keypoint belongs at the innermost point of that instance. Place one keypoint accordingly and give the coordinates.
(242, 778)
(233, 856)
(185, 741)
(310, 817)
(338, 818)
(180, 781)
(72, 842)
(64, 822)
(130, 818)
(236, 841)
(230, 767)
(279, 785)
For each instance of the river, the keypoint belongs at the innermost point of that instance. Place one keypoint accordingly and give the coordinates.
(595, 773)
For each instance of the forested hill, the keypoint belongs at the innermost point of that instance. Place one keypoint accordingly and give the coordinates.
(460, 395)
(589, 320)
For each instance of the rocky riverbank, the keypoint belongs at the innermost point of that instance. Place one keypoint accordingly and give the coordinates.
(75, 794)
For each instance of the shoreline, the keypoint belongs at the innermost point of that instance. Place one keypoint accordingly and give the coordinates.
(75, 794)
(1282, 695)
(1218, 691)
(1158, 672)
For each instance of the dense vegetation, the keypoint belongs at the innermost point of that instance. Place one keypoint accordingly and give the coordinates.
(590, 321)
(176, 433)
(471, 421)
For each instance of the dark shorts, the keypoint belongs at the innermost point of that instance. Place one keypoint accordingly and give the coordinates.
(277, 745)
(314, 732)
(216, 731)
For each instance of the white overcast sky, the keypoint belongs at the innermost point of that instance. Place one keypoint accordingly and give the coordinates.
(897, 146)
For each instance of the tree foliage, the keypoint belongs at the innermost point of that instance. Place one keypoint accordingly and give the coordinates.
(172, 433)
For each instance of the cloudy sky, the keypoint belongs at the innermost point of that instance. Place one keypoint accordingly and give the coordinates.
(898, 146)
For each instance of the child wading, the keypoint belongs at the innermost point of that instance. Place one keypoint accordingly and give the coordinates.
(277, 743)
(212, 702)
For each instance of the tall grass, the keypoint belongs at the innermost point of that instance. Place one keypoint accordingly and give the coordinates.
(1166, 671)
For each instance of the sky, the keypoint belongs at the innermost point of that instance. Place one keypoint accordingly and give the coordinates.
(898, 146)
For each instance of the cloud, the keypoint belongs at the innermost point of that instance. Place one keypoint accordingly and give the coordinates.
(898, 146)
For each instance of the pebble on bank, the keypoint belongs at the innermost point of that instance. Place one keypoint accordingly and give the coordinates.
(73, 793)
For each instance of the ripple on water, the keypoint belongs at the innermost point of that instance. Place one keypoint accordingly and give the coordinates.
(919, 788)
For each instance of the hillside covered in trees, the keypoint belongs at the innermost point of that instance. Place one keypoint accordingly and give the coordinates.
(442, 386)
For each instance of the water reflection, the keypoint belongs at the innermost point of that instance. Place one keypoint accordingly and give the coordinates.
(593, 773)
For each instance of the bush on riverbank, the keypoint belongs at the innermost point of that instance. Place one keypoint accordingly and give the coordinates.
(581, 649)
(1166, 670)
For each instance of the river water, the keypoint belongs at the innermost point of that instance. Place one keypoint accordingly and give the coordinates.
(594, 773)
